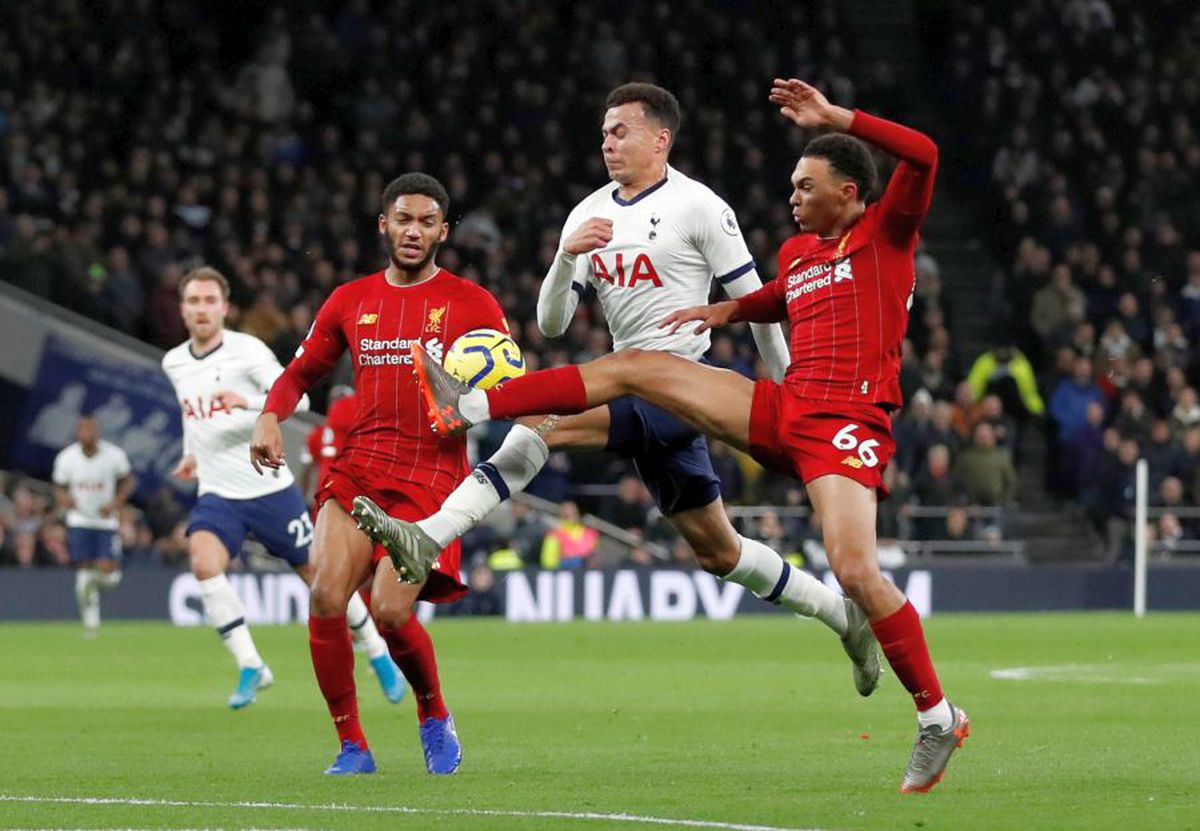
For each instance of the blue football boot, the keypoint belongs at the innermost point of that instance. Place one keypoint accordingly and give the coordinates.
(390, 679)
(353, 759)
(250, 681)
(443, 753)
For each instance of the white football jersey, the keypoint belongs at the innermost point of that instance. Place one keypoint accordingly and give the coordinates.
(220, 438)
(91, 481)
(669, 243)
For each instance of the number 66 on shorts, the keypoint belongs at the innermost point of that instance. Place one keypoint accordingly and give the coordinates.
(809, 439)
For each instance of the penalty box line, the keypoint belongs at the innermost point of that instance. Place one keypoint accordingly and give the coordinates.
(633, 819)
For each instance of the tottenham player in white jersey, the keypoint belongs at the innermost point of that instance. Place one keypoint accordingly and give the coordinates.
(92, 479)
(649, 242)
(221, 379)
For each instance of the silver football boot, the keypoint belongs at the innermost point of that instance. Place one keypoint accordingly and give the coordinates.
(860, 645)
(413, 552)
(927, 764)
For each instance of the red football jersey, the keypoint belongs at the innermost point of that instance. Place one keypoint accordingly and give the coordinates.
(847, 298)
(378, 323)
(327, 440)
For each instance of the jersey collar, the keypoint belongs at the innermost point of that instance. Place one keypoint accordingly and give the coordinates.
(625, 203)
(192, 350)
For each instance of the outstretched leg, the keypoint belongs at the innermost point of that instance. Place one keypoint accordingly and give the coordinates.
(720, 550)
(715, 402)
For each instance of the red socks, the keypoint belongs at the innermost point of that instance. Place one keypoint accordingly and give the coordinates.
(557, 391)
(902, 640)
(333, 662)
(412, 650)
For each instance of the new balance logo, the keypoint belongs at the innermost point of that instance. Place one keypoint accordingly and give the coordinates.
(853, 461)
(368, 319)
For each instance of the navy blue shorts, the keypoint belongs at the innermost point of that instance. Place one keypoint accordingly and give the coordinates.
(93, 544)
(280, 521)
(670, 456)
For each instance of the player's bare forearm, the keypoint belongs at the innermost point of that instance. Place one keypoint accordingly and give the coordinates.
(63, 499)
(266, 444)
(124, 491)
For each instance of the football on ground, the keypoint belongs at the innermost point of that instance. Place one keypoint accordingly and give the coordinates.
(484, 358)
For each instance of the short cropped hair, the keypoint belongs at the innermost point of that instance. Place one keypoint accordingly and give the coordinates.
(848, 157)
(661, 105)
(207, 274)
(420, 183)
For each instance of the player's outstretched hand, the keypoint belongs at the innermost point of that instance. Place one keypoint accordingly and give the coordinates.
(266, 445)
(710, 317)
(807, 106)
(592, 234)
(185, 471)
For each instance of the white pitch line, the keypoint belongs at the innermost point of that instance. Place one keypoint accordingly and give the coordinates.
(397, 809)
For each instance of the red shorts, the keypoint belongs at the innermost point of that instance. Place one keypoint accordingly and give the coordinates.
(404, 500)
(809, 439)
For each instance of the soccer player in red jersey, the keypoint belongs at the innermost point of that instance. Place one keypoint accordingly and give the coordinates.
(389, 455)
(845, 284)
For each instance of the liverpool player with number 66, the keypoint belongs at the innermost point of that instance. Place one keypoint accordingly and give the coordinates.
(844, 283)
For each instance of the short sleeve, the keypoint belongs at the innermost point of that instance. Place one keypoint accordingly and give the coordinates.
(121, 462)
(60, 476)
(719, 239)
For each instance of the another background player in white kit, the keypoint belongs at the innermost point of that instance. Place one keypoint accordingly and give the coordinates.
(221, 379)
(92, 479)
(649, 244)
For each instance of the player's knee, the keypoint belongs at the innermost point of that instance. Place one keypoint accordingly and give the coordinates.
(716, 560)
(856, 575)
(631, 368)
(390, 613)
(325, 600)
(204, 564)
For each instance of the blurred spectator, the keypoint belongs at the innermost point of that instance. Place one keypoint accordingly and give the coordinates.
(570, 543)
(1006, 372)
(984, 471)
(631, 506)
(1071, 398)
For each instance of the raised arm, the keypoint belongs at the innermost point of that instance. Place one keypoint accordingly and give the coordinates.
(909, 193)
(906, 199)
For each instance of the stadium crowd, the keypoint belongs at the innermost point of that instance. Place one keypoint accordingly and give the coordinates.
(1083, 120)
(258, 141)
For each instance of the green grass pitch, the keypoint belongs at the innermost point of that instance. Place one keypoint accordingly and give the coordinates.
(697, 725)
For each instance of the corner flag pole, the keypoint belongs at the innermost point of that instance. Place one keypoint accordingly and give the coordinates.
(1139, 538)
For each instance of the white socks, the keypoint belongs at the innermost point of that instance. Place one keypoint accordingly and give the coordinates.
(88, 584)
(768, 576)
(363, 628)
(225, 612)
(509, 470)
(940, 714)
(474, 406)
(87, 596)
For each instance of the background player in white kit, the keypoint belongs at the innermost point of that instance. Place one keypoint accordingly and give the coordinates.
(649, 244)
(221, 379)
(92, 479)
